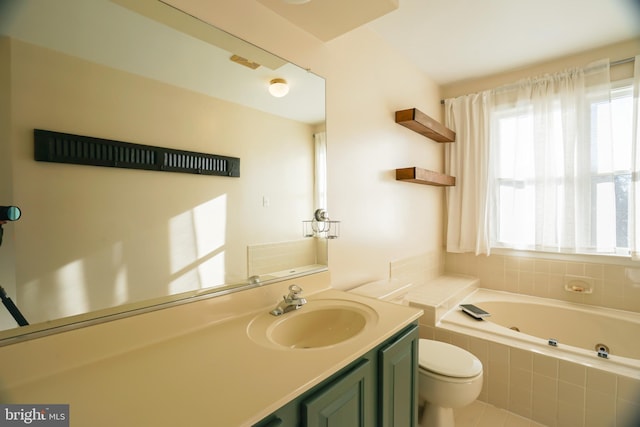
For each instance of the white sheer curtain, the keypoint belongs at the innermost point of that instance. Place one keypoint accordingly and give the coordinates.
(634, 204)
(467, 160)
(544, 176)
(320, 170)
(527, 168)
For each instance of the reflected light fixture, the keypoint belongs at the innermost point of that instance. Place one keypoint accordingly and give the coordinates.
(321, 226)
(278, 87)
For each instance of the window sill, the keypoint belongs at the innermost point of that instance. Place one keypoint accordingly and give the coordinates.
(593, 258)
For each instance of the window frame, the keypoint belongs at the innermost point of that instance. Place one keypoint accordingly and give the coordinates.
(619, 89)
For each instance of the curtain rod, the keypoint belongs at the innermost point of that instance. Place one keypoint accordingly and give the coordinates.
(611, 64)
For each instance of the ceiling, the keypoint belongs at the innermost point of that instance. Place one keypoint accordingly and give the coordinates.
(327, 19)
(454, 40)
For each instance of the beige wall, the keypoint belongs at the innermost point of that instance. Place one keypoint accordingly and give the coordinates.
(382, 220)
(92, 237)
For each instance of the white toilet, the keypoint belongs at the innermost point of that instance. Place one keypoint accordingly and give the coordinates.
(449, 377)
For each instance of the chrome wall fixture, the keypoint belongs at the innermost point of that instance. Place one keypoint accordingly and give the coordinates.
(321, 226)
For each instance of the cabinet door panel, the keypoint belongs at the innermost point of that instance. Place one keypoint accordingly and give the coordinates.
(398, 366)
(347, 402)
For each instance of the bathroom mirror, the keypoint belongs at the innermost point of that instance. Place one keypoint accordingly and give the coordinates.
(94, 242)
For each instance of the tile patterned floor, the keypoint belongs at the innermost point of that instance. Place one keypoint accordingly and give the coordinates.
(480, 414)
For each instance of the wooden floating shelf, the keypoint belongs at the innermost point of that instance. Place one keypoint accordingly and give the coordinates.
(424, 176)
(417, 121)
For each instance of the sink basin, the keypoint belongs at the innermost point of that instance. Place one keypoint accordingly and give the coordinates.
(318, 324)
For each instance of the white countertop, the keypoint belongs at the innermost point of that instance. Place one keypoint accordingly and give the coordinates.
(204, 371)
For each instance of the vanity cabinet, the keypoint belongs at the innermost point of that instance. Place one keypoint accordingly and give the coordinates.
(377, 389)
(349, 401)
(398, 370)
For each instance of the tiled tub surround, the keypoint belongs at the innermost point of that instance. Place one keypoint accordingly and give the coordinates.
(548, 385)
(616, 284)
(417, 269)
(554, 390)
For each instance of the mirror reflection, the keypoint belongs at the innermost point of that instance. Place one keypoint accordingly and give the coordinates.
(95, 241)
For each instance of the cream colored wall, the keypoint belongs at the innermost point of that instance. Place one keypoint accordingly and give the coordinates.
(382, 220)
(95, 237)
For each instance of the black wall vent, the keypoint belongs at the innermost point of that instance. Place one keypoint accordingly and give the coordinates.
(85, 150)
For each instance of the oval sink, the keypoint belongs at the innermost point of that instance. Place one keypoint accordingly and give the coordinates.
(318, 324)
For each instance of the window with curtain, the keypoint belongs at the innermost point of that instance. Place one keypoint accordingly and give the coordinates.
(320, 170)
(563, 190)
(545, 164)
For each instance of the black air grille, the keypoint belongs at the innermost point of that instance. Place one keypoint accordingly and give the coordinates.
(85, 150)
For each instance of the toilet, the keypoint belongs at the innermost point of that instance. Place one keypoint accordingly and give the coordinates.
(449, 377)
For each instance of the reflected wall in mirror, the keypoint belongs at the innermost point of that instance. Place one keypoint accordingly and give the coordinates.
(97, 241)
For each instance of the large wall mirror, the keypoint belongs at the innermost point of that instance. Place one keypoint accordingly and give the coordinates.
(100, 241)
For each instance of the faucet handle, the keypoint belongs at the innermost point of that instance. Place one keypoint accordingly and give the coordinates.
(295, 292)
(295, 289)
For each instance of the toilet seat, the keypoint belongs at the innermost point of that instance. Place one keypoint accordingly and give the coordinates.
(448, 360)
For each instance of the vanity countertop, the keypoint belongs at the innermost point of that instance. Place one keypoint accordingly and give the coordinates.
(204, 371)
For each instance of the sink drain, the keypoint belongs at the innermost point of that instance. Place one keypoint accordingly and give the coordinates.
(515, 328)
(602, 348)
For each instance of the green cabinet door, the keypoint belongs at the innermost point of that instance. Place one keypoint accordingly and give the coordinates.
(347, 402)
(398, 371)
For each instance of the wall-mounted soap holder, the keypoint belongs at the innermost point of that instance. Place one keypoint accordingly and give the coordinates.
(578, 284)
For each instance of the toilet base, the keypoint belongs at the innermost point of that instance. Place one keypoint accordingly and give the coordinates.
(436, 416)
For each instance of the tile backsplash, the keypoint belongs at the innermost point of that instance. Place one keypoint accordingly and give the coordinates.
(417, 269)
(613, 285)
(275, 257)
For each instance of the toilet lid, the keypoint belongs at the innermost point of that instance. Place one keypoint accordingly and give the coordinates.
(446, 359)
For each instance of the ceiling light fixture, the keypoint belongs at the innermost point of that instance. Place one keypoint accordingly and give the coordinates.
(278, 87)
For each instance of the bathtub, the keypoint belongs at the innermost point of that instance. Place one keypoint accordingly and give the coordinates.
(529, 323)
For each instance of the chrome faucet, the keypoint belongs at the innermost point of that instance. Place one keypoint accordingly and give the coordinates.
(291, 301)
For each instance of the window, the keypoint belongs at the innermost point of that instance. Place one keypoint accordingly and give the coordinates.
(556, 189)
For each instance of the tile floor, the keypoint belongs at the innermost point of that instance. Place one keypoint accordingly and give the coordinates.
(480, 414)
